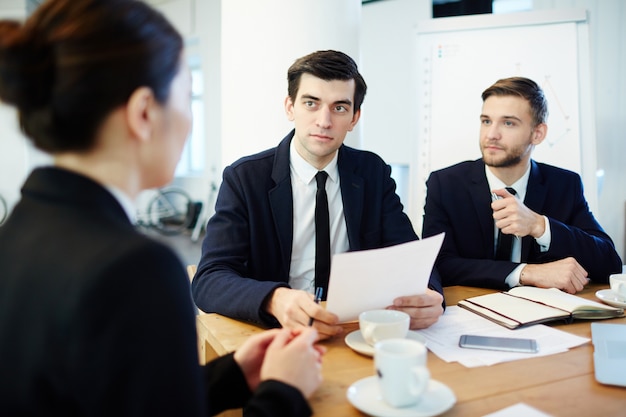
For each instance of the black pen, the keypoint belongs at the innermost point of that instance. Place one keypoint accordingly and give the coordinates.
(318, 297)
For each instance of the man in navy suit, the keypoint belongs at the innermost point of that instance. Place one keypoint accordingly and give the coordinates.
(259, 252)
(556, 241)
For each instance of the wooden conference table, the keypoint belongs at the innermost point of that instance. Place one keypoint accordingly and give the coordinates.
(561, 385)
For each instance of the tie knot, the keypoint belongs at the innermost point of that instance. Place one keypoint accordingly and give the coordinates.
(320, 177)
(511, 190)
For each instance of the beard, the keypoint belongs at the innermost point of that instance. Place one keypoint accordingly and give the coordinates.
(511, 157)
(508, 161)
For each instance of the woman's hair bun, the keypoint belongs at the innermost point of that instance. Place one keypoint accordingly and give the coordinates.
(26, 67)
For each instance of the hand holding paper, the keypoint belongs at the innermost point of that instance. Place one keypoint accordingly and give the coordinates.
(371, 279)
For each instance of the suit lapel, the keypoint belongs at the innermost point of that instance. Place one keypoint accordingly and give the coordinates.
(282, 212)
(352, 194)
(480, 196)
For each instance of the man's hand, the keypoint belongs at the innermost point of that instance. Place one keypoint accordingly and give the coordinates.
(424, 309)
(564, 274)
(514, 218)
(294, 309)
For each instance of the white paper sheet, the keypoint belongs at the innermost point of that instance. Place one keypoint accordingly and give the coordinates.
(442, 338)
(371, 279)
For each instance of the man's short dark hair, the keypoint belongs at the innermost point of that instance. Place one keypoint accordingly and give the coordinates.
(525, 88)
(329, 66)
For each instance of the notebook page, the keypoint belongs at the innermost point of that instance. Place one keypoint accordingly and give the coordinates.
(559, 299)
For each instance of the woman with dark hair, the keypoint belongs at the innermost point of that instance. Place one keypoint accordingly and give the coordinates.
(96, 318)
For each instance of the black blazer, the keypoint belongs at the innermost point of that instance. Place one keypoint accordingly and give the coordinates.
(458, 202)
(247, 250)
(97, 320)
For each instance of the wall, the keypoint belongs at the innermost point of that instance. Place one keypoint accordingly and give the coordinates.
(608, 60)
(387, 36)
(12, 9)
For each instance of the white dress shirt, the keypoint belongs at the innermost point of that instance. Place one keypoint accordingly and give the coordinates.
(304, 187)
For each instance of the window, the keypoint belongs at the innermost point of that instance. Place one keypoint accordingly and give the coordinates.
(192, 160)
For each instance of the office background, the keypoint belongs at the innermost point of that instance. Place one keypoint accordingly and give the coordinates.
(239, 51)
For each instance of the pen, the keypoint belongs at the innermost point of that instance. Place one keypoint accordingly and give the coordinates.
(318, 297)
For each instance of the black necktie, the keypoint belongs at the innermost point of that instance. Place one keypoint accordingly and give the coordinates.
(505, 241)
(322, 234)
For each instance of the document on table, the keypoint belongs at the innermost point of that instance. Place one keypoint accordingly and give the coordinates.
(371, 279)
(442, 338)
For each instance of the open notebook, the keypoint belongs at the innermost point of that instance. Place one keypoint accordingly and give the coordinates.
(609, 355)
(522, 306)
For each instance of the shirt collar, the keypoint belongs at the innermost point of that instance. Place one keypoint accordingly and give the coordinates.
(306, 171)
(519, 185)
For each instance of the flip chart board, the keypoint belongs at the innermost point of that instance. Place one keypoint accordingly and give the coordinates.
(457, 58)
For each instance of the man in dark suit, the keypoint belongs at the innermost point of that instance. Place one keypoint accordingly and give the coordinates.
(555, 240)
(258, 256)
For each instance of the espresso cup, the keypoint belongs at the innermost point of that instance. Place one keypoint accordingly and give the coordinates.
(377, 325)
(618, 284)
(401, 370)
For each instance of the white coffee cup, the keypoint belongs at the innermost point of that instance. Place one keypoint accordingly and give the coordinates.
(618, 284)
(401, 369)
(377, 325)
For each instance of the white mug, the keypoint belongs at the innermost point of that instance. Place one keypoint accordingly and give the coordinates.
(401, 369)
(377, 325)
(618, 284)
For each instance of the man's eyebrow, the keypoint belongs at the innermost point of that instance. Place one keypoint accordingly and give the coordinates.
(309, 97)
(346, 102)
(484, 116)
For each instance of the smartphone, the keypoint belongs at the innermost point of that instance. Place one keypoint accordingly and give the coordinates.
(507, 344)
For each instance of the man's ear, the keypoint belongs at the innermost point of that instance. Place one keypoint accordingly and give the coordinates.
(289, 109)
(539, 133)
(355, 118)
(140, 113)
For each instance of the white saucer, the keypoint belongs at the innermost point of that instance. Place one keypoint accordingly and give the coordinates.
(365, 395)
(609, 297)
(355, 341)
